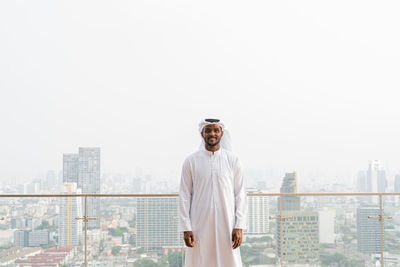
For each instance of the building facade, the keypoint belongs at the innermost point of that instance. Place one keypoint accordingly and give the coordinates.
(298, 237)
(21, 238)
(84, 170)
(157, 223)
(38, 238)
(25, 238)
(397, 183)
(70, 229)
(327, 226)
(258, 213)
(368, 230)
(89, 181)
(376, 177)
(297, 231)
(289, 185)
(70, 168)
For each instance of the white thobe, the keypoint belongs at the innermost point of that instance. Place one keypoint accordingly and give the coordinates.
(212, 202)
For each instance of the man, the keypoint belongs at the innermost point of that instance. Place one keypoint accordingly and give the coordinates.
(212, 201)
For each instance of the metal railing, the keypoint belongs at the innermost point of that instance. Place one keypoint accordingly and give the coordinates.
(280, 218)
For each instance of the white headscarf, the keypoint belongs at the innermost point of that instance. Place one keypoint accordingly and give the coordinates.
(226, 142)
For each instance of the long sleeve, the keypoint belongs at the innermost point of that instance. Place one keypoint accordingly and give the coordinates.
(185, 198)
(240, 198)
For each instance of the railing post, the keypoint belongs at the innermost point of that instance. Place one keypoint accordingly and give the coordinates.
(281, 226)
(182, 256)
(381, 222)
(85, 219)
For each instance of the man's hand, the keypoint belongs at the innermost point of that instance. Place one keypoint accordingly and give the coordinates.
(236, 238)
(189, 238)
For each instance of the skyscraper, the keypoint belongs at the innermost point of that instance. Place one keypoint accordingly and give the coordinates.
(258, 213)
(297, 230)
(368, 230)
(38, 238)
(70, 229)
(84, 170)
(89, 181)
(157, 223)
(289, 185)
(376, 177)
(21, 238)
(70, 168)
(327, 226)
(361, 182)
(299, 237)
(89, 170)
(397, 186)
(397, 183)
(51, 180)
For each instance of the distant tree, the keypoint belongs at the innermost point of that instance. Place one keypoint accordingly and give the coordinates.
(115, 250)
(5, 246)
(101, 246)
(118, 231)
(258, 239)
(338, 259)
(345, 229)
(145, 263)
(140, 251)
(175, 259)
(45, 225)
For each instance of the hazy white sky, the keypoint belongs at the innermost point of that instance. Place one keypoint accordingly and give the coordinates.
(301, 84)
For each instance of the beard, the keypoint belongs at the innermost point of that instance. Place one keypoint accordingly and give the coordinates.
(216, 143)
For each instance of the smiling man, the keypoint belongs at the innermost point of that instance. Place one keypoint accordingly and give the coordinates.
(212, 201)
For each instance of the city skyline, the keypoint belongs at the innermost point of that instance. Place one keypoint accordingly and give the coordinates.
(310, 230)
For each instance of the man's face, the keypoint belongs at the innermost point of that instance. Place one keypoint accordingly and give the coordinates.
(212, 134)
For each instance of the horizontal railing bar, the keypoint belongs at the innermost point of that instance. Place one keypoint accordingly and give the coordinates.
(322, 194)
(175, 195)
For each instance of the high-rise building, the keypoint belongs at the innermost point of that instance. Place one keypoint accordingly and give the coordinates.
(70, 168)
(32, 188)
(32, 222)
(376, 177)
(89, 181)
(70, 229)
(25, 238)
(289, 185)
(397, 183)
(38, 238)
(50, 181)
(368, 230)
(327, 226)
(258, 213)
(298, 239)
(21, 238)
(157, 223)
(361, 182)
(297, 230)
(136, 185)
(84, 170)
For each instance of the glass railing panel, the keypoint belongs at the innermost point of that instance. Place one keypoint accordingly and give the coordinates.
(132, 231)
(40, 230)
(137, 231)
(259, 242)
